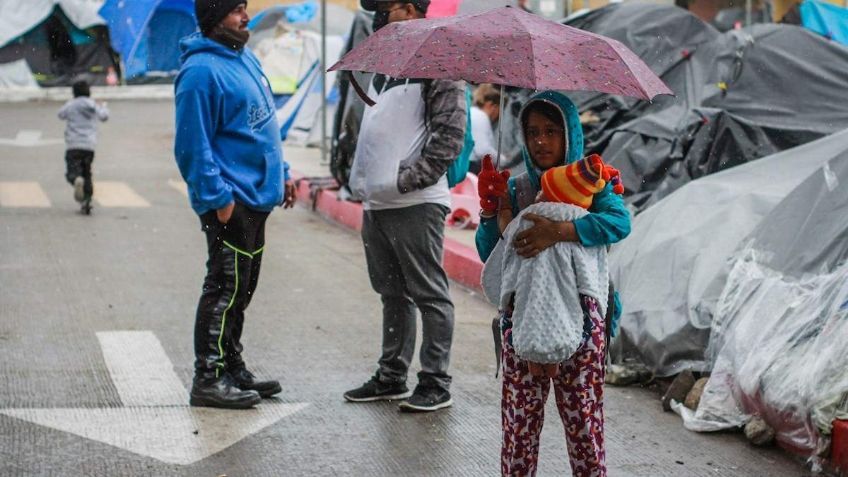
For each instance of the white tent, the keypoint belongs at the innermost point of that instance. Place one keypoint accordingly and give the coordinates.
(290, 54)
(18, 17)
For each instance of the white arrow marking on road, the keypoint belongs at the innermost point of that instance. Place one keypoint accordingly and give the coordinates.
(155, 419)
(29, 138)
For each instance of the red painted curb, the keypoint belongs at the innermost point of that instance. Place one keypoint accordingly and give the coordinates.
(460, 261)
(839, 446)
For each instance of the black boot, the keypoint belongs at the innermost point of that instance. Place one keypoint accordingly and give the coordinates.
(246, 380)
(221, 392)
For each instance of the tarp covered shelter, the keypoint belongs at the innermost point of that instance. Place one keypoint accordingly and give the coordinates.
(147, 33)
(60, 41)
(740, 96)
(777, 345)
(673, 267)
(348, 116)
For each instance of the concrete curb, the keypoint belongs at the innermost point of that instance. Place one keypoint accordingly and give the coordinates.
(146, 92)
(839, 447)
(460, 261)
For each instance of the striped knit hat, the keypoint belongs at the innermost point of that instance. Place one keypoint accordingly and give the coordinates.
(578, 182)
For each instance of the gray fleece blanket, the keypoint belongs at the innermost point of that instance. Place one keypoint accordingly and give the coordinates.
(548, 317)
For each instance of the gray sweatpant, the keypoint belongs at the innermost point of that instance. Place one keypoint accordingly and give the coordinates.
(403, 248)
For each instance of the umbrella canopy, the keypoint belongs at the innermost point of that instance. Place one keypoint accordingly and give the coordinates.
(505, 46)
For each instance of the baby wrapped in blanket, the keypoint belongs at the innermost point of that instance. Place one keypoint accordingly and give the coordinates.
(544, 291)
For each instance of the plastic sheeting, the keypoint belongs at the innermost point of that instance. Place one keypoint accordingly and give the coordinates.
(778, 342)
(672, 268)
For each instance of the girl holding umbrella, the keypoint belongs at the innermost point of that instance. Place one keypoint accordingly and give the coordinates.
(553, 136)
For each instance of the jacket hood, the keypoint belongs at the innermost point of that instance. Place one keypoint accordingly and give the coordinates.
(574, 129)
(197, 43)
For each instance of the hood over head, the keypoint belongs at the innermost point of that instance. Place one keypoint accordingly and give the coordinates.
(574, 131)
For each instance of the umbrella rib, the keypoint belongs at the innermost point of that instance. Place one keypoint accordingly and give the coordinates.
(526, 33)
(415, 52)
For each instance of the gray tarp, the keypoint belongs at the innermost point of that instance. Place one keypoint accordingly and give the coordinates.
(741, 95)
(778, 338)
(673, 267)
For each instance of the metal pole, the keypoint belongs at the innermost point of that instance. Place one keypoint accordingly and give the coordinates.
(748, 7)
(500, 127)
(324, 82)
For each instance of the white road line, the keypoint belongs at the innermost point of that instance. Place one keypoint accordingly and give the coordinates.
(22, 194)
(117, 194)
(140, 369)
(29, 138)
(179, 185)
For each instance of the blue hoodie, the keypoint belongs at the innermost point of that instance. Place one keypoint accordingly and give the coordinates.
(609, 220)
(227, 142)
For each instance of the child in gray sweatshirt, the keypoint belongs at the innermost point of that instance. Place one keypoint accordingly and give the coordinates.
(81, 114)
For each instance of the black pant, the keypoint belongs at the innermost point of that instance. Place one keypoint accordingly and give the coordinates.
(78, 164)
(232, 272)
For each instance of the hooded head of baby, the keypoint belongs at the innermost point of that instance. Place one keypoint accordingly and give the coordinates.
(578, 182)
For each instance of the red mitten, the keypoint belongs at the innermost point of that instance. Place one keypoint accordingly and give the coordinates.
(615, 179)
(491, 185)
(608, 173)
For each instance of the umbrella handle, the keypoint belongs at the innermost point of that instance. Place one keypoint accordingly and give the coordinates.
(500, 128)
(360, 91)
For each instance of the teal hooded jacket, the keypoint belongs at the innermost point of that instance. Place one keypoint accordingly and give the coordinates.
(609, 219)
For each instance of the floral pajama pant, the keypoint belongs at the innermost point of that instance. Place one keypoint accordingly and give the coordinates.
(579, 391)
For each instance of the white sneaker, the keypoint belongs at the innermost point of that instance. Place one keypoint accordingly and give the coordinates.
(79, 185)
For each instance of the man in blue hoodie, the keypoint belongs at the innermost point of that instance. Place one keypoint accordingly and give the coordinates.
(228, 151)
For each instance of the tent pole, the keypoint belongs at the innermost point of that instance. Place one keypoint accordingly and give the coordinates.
(500, 128)
(324, 82)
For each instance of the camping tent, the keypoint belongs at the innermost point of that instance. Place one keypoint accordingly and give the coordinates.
(146, 33)
(672, 269)
(59, 40)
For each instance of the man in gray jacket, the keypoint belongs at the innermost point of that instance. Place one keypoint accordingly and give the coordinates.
(406, 143)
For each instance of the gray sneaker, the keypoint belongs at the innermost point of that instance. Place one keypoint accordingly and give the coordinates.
(427, 398)
(79, 189)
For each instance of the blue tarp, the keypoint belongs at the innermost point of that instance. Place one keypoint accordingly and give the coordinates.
(146, 33)
(294, 13)
(825, 19)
